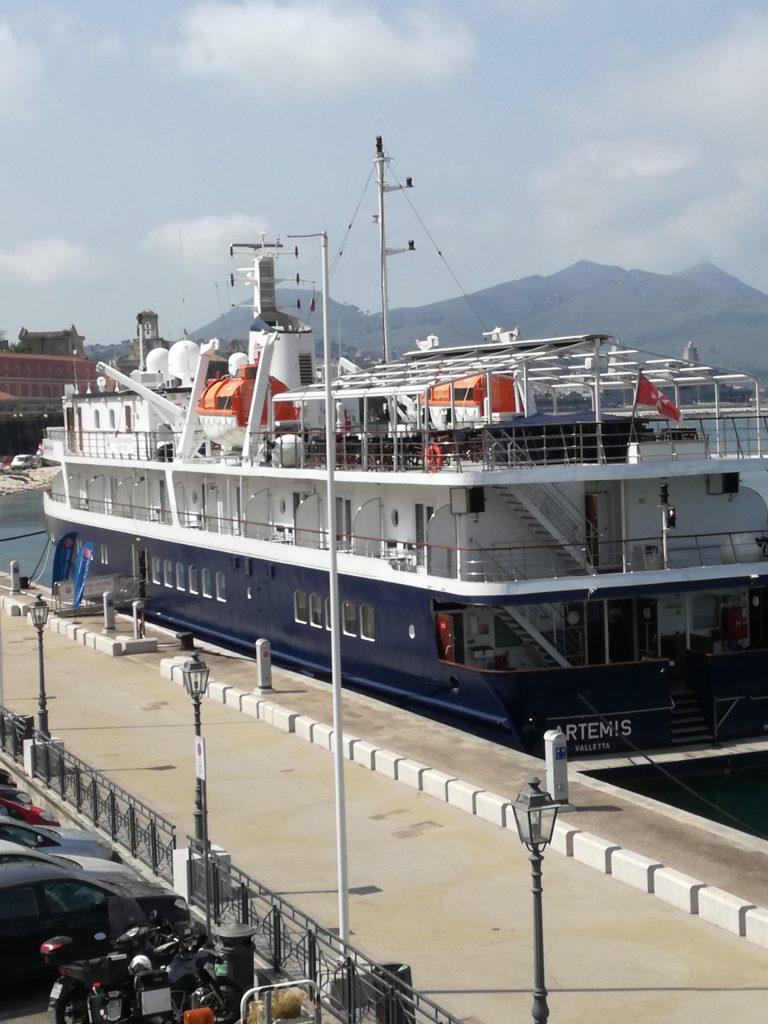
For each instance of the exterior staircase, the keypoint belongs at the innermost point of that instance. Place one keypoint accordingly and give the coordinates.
(688, 724)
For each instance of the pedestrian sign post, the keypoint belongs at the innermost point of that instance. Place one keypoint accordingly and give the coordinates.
(200, 758)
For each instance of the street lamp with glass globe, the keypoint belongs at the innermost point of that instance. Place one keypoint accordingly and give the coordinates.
(195, 674)
(39, 615)
(535, 814)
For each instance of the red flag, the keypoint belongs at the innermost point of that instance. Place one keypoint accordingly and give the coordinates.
(649, 394)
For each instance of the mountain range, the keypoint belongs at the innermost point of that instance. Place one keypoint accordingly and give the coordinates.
(726, 319)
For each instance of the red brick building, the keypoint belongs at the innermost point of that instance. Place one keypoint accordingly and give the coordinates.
(23, 375)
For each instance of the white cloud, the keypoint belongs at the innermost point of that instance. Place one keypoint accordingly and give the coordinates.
(669, 165)
(19, 68)
(50, 261)
(200, 246)
(318, 47)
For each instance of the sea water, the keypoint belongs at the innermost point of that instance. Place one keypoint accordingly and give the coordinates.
(22, 535)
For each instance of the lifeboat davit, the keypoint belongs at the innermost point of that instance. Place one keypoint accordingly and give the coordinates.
(226, 402)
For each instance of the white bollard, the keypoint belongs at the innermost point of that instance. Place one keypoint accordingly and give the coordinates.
(263, 665)
(15, 578)
(138, 620)
(109, 610)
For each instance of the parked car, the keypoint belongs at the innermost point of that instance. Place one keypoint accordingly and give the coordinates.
(25, 461)
(75, 842)
(21, 807)
(39, 902)
(92, 867)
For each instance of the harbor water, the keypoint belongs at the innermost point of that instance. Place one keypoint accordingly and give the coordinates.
(22, 535)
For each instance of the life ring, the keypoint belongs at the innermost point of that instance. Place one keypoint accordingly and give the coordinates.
(434, 458)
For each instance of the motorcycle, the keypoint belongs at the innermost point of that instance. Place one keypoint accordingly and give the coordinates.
(151, 974)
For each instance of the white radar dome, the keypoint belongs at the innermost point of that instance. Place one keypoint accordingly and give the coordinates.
(235, 361)
(157, 360)
(182, 360)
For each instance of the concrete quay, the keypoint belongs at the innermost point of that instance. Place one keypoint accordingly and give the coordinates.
(438, 878)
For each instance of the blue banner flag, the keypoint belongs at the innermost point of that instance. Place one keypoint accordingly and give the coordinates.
(82, 568)
(62, 558)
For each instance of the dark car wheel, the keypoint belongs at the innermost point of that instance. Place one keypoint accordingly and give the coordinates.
(72, 1008)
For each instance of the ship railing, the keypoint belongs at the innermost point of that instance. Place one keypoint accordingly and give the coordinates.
(127, 510)
(492, 447)
(120, 445)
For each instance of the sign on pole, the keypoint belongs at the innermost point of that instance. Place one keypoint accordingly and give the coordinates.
(200, 758)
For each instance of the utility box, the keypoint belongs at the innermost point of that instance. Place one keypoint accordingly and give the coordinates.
(263, 665)
(556, 759)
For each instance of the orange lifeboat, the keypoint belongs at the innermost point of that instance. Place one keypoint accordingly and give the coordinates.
(470, 399)
(226, 402)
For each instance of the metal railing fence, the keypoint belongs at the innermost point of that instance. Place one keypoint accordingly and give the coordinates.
(353, 988)
(148, 836)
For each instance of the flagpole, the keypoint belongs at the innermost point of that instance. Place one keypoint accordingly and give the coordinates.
(634, 404)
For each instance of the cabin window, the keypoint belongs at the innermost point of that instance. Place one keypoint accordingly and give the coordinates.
(350, 618)
(300, 606)
(156, 570)
(316, 610)
(96, 419)
(224, 401)
(112, 421)
(104, 554)
(705, 612)
(181, 576)
(206, 581)
(221, 586)
(193, 586)
(367, 622)
(128, 418)
(168, 573)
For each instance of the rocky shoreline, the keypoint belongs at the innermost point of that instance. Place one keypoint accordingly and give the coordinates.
(12, 481)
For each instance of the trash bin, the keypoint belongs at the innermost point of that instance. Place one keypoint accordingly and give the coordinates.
(234, 944)
(394, 1004)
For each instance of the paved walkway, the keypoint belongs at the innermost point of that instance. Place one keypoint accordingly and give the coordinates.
(441, 890)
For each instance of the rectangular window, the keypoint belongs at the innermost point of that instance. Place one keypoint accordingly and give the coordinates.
(221, 586)
(206, 581)
(168, 572)
(350, 618)
(181, 576)
(156, 571)
(299, 606)
(104, 554)
(327, 611)
(316, 610)
(193, 587)
(367, 622)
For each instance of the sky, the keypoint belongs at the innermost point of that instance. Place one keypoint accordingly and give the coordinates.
(140, 139)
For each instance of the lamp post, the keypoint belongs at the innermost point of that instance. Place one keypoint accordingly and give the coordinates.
(535, 814)
(195, 674)
(39, 615)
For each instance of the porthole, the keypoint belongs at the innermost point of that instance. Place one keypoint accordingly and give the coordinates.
(194, 497)
(282, 505)
(248, 593)
(412, 631)
(395, 517)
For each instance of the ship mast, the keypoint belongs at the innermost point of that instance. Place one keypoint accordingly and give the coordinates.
(380, 161)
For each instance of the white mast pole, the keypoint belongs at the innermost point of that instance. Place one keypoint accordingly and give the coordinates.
(380, 162)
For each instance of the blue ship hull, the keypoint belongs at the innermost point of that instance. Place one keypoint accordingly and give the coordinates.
(601, 708)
